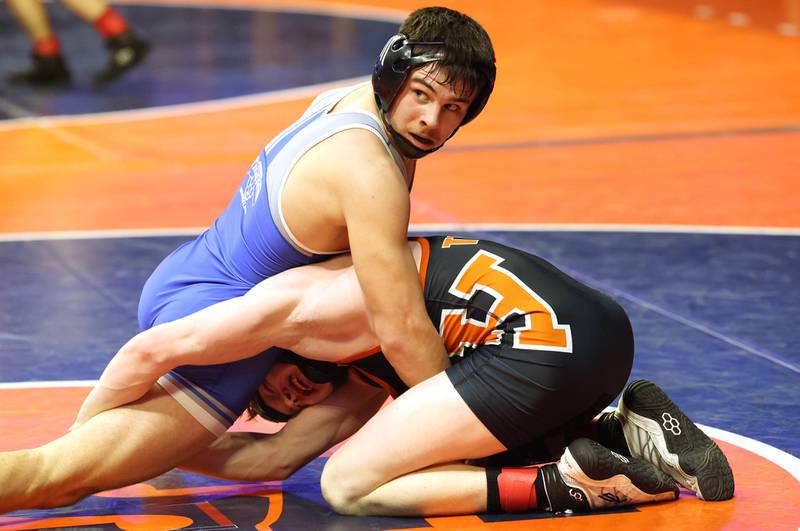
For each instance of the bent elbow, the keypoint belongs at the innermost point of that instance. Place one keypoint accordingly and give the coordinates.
(393, 344)
(400, 336)
(148, 350)
(272, 470)
(279, 473)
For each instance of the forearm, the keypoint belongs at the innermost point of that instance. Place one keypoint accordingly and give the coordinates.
(224, 332)
(415, 350)
(127, 377)
(259, 457)
(400, 319)
(243, 457)
(101, 398)
(376, 210)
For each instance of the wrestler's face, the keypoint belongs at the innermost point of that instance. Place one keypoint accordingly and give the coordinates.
(427, 110)
(288, 390)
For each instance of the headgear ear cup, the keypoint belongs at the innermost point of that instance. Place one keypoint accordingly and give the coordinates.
(394, 64)
(319, 372)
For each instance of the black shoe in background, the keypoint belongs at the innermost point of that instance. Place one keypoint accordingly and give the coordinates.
(126, 51)
(44, 72)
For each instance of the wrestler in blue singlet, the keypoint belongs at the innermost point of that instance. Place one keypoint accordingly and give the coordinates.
(247, 243)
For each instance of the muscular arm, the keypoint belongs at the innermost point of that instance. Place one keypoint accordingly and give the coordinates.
(316, 311)
(376, 209)
(227, 331)
(258, 457)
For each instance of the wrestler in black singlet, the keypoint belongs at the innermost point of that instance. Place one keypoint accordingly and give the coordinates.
(533, 350)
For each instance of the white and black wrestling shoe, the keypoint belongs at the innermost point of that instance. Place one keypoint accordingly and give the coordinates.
(590, 477)
(657, 431)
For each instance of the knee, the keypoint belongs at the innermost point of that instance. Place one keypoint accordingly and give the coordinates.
(340, 489)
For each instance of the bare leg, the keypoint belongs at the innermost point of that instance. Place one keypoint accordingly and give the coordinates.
(386, 468)
(32, 16)
(116, 448)
(441, 490)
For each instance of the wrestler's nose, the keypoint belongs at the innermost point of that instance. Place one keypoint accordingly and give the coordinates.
(290, 399)
(430, 117)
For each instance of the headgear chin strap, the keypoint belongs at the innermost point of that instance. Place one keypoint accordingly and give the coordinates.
(395, 63)
(391, 70)
(402, 144)
(264, 411)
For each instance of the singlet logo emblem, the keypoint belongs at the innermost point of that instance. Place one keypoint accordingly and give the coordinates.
(252, 187)
(538, 327)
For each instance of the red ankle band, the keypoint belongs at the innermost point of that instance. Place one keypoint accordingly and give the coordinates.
(47, 47)
(517, 492)
(110, 24)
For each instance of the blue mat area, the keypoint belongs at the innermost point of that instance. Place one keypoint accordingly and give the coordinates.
(714, 317)
(712, 314)
(198, 54)
(302, 505)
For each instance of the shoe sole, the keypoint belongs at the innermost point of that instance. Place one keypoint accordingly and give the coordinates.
(612, 480)
(660, 433)
(20, 79)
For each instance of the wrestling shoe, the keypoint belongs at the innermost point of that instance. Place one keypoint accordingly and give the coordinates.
(127, 50)
(658, 432)
(589, 477)
(44, 72)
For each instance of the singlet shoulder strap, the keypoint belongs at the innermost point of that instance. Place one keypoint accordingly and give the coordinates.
(316, 125)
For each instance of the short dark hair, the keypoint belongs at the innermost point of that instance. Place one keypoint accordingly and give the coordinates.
(469, 58)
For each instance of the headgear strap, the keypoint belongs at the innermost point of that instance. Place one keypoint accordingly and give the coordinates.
(391, 70)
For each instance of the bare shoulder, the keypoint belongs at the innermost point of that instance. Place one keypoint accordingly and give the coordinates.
(356, 148)
(357, 159)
